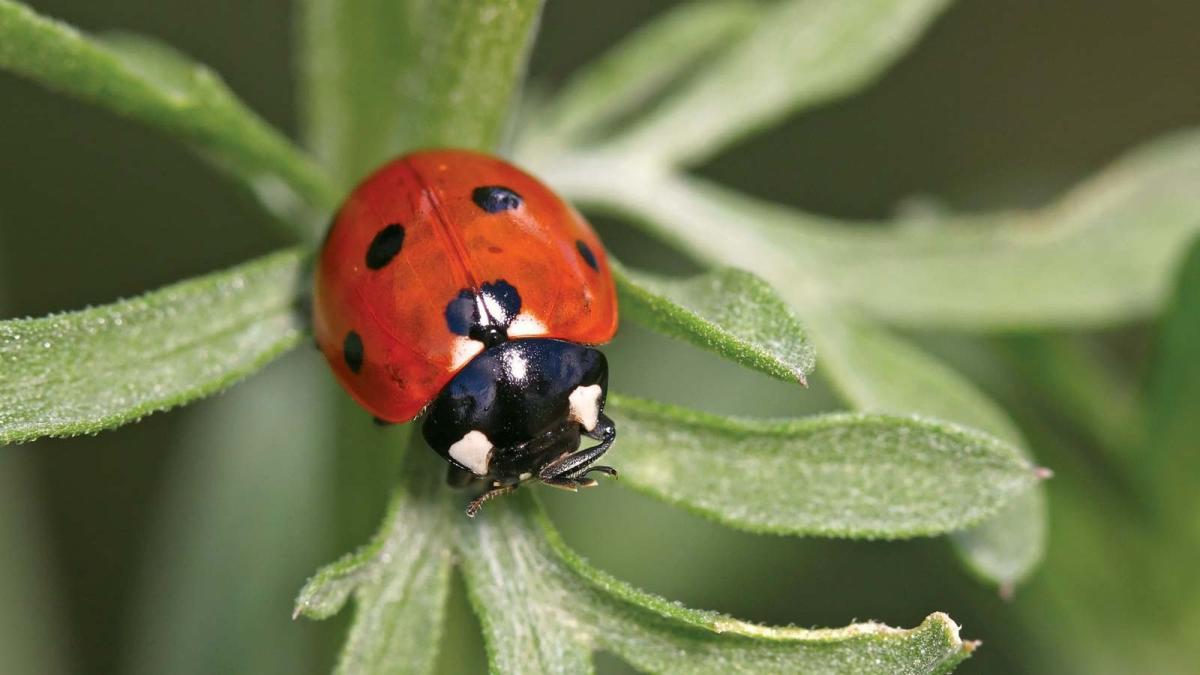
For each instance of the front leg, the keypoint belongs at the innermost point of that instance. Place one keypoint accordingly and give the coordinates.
(495, 491)
(570, 471)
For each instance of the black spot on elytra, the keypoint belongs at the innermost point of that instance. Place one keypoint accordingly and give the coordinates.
(501, 302)
(587, 255)
(495, 198)
(352, 351)
(506, 296)
(385, 246)
(462, 313)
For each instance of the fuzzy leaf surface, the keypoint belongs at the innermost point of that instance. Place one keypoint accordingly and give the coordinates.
(876, 370)
(544, 610)
(726, 311)
(841, 475)
(381, 77)
(93, 369)
(399, 581)
(138, 78)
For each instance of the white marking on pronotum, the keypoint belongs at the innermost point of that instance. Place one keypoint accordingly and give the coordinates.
(526, 325)
(465, 349)
(585, 405)
(517, 366)
(473, 451)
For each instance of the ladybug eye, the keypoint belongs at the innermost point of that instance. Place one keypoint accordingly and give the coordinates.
(495, 198)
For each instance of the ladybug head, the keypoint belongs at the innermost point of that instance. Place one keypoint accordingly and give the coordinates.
(519, 410)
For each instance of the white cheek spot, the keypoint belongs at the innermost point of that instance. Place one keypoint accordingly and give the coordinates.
(473, 451)
(525, 476)
(585, 405)
(526, 325)
(465, 349)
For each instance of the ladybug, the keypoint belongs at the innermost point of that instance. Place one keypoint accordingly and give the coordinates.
(453, 284)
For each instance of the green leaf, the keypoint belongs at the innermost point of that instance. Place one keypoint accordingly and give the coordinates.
(1171, 463)
(727, 311)
(544, 610)
(137, 78)
(875, 370)
(802, 53)
(98, 368)
(381, 76)
(244, 513)
(1102, 253)
(842, 475)
(638, 68)
(1075, 263)
(400, 580)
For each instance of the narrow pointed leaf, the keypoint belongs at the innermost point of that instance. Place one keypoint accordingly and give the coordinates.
(148, 82)
(1102, 253)
(98, 368)
(380, 77)
(875, 370)
(638, 68)
(399, 581)
(1077, 262)
(802, 53)
(842, 475)
(727, 311)
(544, 610)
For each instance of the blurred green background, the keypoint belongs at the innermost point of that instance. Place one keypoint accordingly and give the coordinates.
(118, 547)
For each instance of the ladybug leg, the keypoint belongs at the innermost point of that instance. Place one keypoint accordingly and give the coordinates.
(570, 471)
(492, 493)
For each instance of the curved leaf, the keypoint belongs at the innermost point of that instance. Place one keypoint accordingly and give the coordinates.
(842, 475)
(151, 83)
(400, 580)
(638, 68)
(727, 311)
(544, 610)
(380, 77)
(1101, 254)
(97, 368)
(803, 52)
(875, 370)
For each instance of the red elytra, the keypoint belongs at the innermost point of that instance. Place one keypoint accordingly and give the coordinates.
(382, 294)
